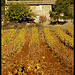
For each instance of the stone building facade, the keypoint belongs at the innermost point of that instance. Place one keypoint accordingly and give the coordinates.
(40, 8)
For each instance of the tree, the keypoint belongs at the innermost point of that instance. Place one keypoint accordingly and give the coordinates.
(71, 1)
(2, 7)
(2, 2)
(61, 6)
(19, 12)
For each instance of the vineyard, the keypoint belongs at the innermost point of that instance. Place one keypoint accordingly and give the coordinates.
(35, 53)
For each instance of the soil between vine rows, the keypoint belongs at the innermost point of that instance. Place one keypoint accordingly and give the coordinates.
(35, 55)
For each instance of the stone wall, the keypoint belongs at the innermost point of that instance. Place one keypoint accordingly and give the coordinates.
(42, 10)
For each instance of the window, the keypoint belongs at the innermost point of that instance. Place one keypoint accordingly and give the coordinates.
(39, 7)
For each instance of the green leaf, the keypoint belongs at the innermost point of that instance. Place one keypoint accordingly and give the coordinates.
(19, 12)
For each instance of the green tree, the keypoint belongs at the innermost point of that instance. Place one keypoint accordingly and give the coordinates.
(19, 12)
(2, 7)
(61, 6)
(2, 2)
(71, 1)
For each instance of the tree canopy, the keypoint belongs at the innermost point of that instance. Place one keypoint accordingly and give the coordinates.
(71, 1)
(62, 6)
(2, 2)
(19, 13)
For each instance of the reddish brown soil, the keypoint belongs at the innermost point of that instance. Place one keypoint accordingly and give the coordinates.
(18, 57)
(9, 46)
(52, 62)
(67, 53)
(32, 55)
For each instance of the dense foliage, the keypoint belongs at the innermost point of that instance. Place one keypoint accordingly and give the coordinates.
(2, 2)
(71, 1)
(62, 6)
(19, 13)
(2, 7)
(2, 10)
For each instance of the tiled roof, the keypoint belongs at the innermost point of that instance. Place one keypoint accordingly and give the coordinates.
(33, 2)
(49, 1)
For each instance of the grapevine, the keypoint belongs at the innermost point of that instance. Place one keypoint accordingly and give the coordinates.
(8, 36)
(34, 38)
(68, 40)
(60, 49)
(70, 31)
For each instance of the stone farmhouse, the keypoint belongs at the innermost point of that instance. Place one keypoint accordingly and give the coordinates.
(41, 8)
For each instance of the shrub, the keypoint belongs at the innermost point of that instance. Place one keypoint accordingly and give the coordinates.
(2, 10)
(2, 2)
(43, 19)
(19, 13)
